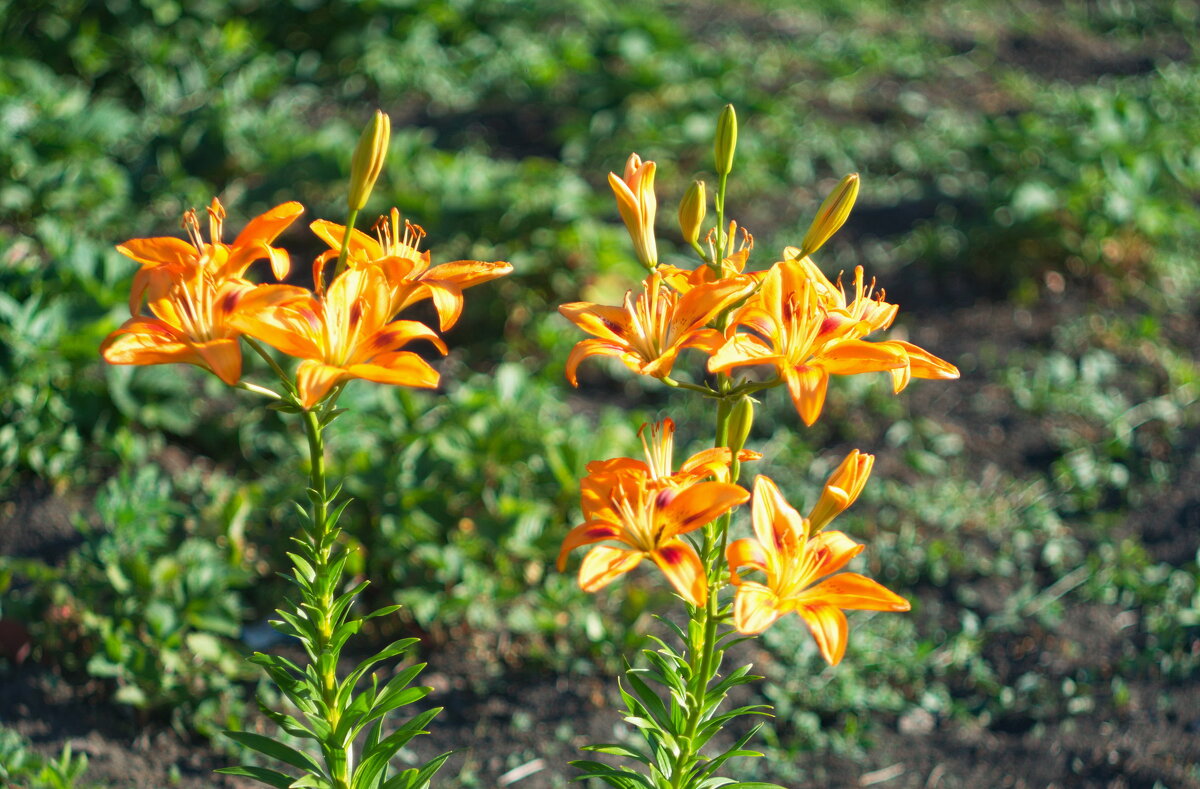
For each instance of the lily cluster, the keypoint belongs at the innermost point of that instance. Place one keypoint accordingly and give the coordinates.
(787, 325)
(201, 302)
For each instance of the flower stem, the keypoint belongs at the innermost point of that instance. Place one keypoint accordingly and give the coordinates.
(319, 595)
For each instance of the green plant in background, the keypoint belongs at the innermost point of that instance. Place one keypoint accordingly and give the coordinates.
(150, 605)
(21, 768)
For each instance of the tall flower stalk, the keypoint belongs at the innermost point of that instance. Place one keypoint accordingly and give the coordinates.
(804, 329)
(342, 728)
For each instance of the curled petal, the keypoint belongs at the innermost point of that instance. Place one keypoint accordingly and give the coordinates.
(745, 553)
(683, 568)
(855, 592)
(829, 627)
(755, 608)
(314, 380)
(598, 320)
(742, 349)
(777, 524)
(833, 549)
(401, 368)
(592, 347)
(593, 531)
(807, 386)
(699, 504)
(604, 563)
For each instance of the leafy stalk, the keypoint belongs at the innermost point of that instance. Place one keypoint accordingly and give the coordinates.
(334, 712)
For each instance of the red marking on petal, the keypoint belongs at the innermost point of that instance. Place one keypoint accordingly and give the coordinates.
(230, 301)
(671, 554)
(665, 497)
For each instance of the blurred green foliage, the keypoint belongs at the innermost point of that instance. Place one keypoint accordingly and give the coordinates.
(21, 768)
(1041, 155)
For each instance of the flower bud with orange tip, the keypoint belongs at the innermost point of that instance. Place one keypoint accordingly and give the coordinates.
(841, 489)
(638, 206)
(831, 215)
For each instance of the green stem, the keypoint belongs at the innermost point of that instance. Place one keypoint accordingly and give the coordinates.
(345, 250)
(703, 655)
(320, 596)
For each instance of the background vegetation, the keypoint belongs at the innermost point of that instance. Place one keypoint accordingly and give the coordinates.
(1031, 177)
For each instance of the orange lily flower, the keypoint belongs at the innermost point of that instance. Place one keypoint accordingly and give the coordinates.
(645, 508)
(792, 561)
(659, 449)
(869, 308)
(194, 323)
(648, 332)
(395, 252)
(345, 333)
(218, 260)
(807, 339)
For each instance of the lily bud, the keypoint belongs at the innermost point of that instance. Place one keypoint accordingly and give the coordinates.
(740, 420)
(831, 216)
(692, 210)
(637, 204)
(368, 159)
(841, 489)
(726, 140)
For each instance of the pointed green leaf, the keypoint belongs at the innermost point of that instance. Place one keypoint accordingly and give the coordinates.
(275, 749)
(261, 774)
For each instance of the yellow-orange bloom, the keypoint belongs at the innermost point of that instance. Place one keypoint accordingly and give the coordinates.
(637, 205)
(648, 332)
(644, 508)
(793, 561)
(194, 290)
(395, 252)
(345, 333)
(219, 261)
(799, 328)
(194, 323)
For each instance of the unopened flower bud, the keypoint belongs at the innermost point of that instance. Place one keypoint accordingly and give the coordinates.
(368, 159)
(741, 417)
(692, 210)
(726, 140)
(831, 216)
(841, 489)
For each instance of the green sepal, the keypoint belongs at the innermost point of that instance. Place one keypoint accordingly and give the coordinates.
(260, 774)
(274, 749)
(329, 416)
(285, 408)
